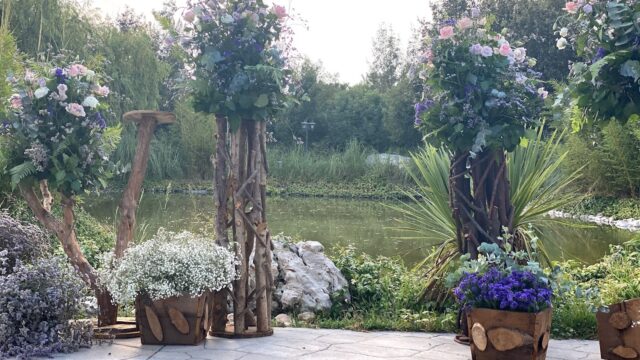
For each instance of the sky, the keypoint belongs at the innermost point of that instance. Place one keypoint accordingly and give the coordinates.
(338, 33)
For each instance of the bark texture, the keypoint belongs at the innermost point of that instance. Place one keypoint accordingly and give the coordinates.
(240, 197)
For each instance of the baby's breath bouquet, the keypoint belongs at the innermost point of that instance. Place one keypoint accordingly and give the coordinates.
(170, 264)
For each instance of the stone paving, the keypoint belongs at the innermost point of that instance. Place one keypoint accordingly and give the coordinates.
(290, 343)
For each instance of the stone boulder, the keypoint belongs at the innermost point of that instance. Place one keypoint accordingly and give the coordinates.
(392, 159)
(306, 279)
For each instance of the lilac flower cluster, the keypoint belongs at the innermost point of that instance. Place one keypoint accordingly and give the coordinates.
(504, 290)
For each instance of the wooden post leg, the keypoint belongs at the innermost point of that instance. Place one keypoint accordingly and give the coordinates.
(131, 195)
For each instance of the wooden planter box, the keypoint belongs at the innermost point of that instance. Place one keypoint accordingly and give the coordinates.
(508, 335)
(619, 331)
(179, 320)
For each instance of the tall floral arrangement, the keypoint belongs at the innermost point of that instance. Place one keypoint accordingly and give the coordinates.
(60, 143)
(238, 53)
(480, 98)
(605, 34)
(480, 90)
(57, 128)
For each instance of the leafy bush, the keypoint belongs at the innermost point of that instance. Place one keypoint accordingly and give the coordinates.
(170, 264)
(20, 242)
(36, 303)
(380, 284)
(613, 167)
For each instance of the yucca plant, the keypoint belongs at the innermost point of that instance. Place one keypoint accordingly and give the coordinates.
(538, 185)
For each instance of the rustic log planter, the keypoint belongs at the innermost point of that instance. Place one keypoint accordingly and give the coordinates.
(180, 320)
(619, 331)
(508, 335)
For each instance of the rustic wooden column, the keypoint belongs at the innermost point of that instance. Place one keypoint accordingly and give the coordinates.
(240, 193)
(147, 122)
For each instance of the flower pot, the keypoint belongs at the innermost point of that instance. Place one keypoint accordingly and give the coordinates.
(508, 335)
(181, 320)
(619, 331)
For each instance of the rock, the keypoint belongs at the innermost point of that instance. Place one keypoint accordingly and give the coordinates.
(307, 316)
(307, 280)
(283, 320)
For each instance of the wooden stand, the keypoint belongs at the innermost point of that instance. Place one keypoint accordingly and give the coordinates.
(507, 335)
(147, 122)
(240, 197)
(180, 320)
(619, 331)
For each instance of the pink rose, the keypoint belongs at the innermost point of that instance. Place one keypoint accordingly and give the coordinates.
(16, 101)
(505, 49)
(101, 91)
(446, 32)
(76, 110)
(74, 70)
(464, 23)
(280, 11)
(571, 7)
(189, 16)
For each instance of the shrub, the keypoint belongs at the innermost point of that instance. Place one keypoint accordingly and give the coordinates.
(36, 303)
(379, 284)
(21, 242)
(170, 264)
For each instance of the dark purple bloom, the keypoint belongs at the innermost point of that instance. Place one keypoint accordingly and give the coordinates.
(449, 22)
(100, 121)
(60, 76)
(513, 291)
(600, 53)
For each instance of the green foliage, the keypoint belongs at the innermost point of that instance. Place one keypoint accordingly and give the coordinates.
(384, 68)
(617, 208)
(297, 165)
(398, 115)
(8, 65)
(605, 82)
(538, 181)
(613, 167)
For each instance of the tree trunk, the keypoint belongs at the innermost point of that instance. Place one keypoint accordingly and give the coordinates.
(238, 167)
(66, 234)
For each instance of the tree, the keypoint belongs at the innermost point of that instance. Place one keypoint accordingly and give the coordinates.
(384, 68)
(398, 115)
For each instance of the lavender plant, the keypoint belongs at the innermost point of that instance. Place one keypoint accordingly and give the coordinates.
(37, 302)
(20, 242)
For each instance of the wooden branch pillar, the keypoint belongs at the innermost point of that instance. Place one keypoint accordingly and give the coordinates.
(240, 194)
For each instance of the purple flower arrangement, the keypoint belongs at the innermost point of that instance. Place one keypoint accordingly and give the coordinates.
(516, 290)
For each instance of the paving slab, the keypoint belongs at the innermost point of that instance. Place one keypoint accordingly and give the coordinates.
(292, 343)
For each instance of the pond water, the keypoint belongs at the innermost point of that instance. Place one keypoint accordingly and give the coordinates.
(369, 226)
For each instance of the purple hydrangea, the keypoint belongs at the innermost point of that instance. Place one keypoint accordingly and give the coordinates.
(512, 291)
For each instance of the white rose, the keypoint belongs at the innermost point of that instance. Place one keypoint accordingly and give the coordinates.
(520, 54)
(41, 92)
(91, 102)
(564, 32)
(561, 43)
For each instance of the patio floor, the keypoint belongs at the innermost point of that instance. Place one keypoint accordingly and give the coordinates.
(296, 343)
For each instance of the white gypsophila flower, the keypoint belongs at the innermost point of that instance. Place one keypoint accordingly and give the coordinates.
(170, 264)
